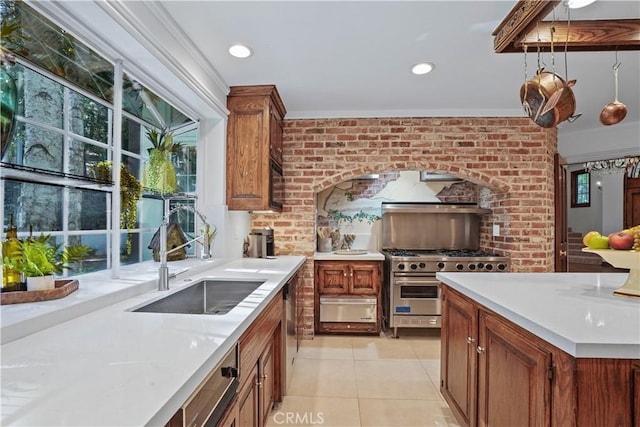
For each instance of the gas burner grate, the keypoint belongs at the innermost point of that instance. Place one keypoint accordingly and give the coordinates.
(401, 252)
(465, 253)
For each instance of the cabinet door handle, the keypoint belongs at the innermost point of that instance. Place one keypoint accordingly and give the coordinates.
(470, 340)
(345, 274)
(259, 384)
(480, 349)
(265, 376)
(563, 253)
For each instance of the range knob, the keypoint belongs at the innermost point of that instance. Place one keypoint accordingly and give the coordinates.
(489, 267)
(472, 267)
(480, 265)
(502, 267)
(414, 266)
(459, 267)
(440, 265)
(400, 266)
(422, 265)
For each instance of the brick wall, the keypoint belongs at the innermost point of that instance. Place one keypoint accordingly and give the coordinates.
(510, 159)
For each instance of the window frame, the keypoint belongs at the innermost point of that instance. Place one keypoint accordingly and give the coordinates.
(575, 188)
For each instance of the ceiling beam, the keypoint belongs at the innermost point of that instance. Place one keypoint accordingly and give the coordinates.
(521, 20)
(583, 36)
(523, 26)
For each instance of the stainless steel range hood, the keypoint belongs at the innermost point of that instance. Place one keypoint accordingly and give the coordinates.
(425, 226)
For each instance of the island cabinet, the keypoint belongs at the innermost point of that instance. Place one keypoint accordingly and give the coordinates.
(254, 148)
(494, 373)
(260, 366)
(348, 296)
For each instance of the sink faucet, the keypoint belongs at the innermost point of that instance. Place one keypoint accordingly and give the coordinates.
(163, 279)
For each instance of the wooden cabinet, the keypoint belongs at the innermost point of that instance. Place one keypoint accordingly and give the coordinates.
(487, 363)
(261, 366)
(232, 417)
(512, 368)
(254, 148)
(495, 373)
(347, 279)
(248, 399)
(458, 362)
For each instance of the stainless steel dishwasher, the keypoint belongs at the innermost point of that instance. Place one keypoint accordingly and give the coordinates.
(290, 343)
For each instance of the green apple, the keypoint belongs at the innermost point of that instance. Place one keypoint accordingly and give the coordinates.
(598, 242)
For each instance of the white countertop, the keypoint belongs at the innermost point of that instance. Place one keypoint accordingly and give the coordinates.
(115, 367)
(370, 255)
(575, 312)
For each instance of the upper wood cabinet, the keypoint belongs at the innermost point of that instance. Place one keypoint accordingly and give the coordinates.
(254, 148)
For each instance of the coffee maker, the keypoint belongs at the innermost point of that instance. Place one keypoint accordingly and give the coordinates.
(261, 243)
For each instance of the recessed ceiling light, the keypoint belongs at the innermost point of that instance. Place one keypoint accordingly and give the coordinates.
(577, 4)
(422, 68)
(240, 51)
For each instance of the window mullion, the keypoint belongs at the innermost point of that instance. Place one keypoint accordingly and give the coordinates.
(66, 144)
(117, 161)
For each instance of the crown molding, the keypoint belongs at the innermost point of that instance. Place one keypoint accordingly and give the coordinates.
(170, 46)
(112, 40)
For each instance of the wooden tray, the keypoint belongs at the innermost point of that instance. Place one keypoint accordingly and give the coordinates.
(62, 289)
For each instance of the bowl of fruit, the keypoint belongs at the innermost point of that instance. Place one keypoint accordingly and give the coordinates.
(621, 250)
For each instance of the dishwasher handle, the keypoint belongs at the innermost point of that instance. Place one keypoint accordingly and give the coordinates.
(347, 301)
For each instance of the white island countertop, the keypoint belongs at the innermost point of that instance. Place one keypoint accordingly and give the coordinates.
(114, 367)
(575, 312)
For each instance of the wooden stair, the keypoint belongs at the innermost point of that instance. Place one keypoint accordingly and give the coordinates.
(575, 254)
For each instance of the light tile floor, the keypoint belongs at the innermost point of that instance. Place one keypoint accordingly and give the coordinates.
(352, 381)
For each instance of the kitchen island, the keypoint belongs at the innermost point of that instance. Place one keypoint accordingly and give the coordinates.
(553, 349)
(112, 366)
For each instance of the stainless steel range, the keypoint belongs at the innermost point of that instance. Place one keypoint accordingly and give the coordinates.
(418, 240)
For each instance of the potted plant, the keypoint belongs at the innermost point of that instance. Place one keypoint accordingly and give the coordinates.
(210, 232)
(159, 172)
(39, 259)
(130, 193)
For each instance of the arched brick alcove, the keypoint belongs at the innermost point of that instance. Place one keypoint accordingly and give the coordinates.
(510, 158)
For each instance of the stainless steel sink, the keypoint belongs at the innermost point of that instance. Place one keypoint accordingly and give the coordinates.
(207, 296)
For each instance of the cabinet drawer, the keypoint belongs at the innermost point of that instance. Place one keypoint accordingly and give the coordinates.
(348, 310)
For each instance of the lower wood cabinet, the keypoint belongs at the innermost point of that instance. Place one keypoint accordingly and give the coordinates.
(261, 366)
(495, 373)
(232, 417)
(351, 281)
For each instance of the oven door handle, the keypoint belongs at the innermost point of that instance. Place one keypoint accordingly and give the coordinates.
(429, 281)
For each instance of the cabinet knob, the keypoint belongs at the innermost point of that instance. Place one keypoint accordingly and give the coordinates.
(265, 376)
(470, 340)
(259, 384)
(480, 350)
(563, 253)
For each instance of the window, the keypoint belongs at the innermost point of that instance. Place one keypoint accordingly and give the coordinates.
(580, 189)
(62, 127)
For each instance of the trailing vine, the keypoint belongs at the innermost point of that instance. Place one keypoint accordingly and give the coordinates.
(360, 216)
(130, 193)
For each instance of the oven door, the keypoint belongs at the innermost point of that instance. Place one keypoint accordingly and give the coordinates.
(416, 295)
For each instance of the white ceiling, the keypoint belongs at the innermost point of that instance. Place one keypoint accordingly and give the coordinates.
(353, 59)
(339, 59)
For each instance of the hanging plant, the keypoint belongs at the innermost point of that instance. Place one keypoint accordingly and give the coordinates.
(159, 172)
(130, 193)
